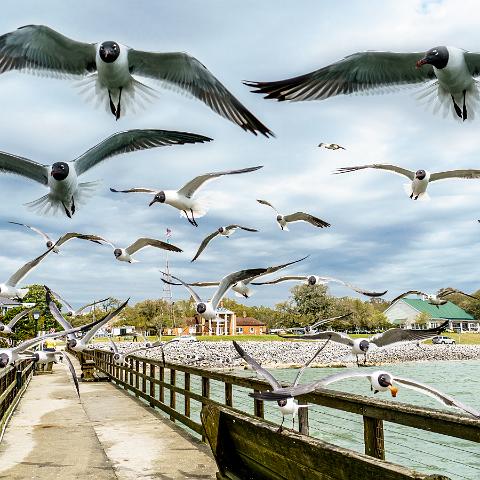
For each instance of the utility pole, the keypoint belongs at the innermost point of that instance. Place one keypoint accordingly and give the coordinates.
(167, 289)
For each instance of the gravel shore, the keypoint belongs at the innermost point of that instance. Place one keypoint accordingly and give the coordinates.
(294, 354)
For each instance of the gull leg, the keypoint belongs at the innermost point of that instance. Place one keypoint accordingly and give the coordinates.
(411, 196)
(280, 429)
(357, 359)
(112, 106)
(117, 115)
(67, 211)
(73, 206)
(464, 106)
(457, 108)
(194, 222)
(188, 218)
(365, 359)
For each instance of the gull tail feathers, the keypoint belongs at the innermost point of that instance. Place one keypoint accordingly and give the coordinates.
(86, 190)
(46, 205)
(421, 196)
(200, 207)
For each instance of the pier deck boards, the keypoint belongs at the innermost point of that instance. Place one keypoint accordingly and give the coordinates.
(110, 435)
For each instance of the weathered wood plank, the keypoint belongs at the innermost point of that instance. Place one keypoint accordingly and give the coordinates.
(186, 383)
(303, 419)
(173, 398)
(373, 437)
(228, 394)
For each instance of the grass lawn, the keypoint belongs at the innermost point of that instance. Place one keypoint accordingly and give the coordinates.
(462, 339)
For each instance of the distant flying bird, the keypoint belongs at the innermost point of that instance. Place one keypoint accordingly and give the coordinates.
(63, 239)
(241, 287)
(71, 312)
(120, 358)
(331, 146)
(223, 231)
(125, 254)
(9, 288)
(420, 179)
(283, 220)
(380, 381)
(316, 280)
(452, 69)
(62, 177)
(287, 406)
(208, 309)
(313, 328)
(437, 300)
(108, 68)
(6, 329)
(360, 346)
(184, 199)
(80, 344)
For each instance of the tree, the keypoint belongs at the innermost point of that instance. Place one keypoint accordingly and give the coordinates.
(422, 319)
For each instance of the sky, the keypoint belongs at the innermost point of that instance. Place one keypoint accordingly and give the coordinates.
(379, 238)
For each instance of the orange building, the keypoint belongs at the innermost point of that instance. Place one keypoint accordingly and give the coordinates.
(250, 326)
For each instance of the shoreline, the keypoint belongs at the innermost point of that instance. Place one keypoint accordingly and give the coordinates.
(277, 355)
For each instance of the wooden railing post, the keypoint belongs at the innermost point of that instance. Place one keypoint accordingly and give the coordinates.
(161, 390)
(303, 418)
(144, 378)
(205, 394)
(373, 437)
(258, 409)
(137, 379)
(152, 384)
(130, 376)
(187, 397)
(228, 395)
(173, 396)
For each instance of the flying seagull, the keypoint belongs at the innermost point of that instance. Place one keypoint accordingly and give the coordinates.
(108, 66)
(71, 312)
(9, 356)
(448, 71)
(419, 179)
(313, 328)
(331, 146)
(287, 406)
(6, 329)
(125, 254)
(361, 346)
(63, 239)
(208, 309)
(223, 231)
(9, 288)
(283, 220)
(437, 300)
(184, 199)
(241, 287)
(120, 358)
(316, 280)
(62, 178)
(380, 381)
(80, 344)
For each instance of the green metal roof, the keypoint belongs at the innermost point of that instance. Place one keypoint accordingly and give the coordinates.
(449, 311)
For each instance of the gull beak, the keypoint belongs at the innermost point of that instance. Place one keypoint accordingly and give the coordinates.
(393, 390)
(421, 62)
(152, 202)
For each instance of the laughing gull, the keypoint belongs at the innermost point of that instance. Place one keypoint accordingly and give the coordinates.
(313, 328)
(125, 254)
(331, 146)
(420, 178)
(283, 220)
(120, 358)
(10, 356)
(62, 177)
(9, 288)
(184, 199)
(448, 71)
(108, 67)
(316, 280)
(208, 309)
(287, 406)
(360, 346)
(80, 344)
(437, 300)
(6, 329)
(63, 239)
(71, 312)
(241, 287)
(223, 231)
(380, 381)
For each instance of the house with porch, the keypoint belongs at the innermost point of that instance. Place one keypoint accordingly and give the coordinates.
(405, 313)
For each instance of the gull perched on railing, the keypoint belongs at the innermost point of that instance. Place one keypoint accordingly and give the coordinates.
(380, 381)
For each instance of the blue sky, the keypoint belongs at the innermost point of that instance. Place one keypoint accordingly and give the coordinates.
(379, 238)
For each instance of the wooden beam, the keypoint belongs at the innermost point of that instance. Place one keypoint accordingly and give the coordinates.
(373, 437)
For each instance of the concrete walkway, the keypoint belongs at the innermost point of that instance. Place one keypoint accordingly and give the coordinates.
(109, 435)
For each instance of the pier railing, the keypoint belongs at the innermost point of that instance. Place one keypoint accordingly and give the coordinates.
(13, 381)
(181, 390)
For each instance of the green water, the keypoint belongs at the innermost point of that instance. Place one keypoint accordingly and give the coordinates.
(424, 451)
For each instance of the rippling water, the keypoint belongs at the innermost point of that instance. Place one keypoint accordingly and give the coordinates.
(424, 451)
